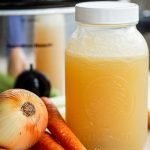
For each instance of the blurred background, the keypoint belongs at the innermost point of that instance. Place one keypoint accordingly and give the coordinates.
(39, 37)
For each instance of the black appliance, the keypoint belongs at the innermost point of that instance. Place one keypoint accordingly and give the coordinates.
(28, 4)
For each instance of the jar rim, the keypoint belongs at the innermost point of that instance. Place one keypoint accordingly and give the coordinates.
(107, 25)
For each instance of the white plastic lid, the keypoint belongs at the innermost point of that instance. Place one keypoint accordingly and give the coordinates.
(107, 12)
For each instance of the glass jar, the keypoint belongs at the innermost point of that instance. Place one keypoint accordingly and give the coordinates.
(50, 59)
(107, 77)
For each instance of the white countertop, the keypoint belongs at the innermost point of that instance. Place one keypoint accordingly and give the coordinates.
(61, 10)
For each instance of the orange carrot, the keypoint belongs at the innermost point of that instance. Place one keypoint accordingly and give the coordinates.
(60, 130)
(47, 143)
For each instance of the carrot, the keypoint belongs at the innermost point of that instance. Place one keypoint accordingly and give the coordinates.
(47, 143)
(60, 130)
(149, 120)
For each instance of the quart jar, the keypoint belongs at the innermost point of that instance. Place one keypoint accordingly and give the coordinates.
(107, 77)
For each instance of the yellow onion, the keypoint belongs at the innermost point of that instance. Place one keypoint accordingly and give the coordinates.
(23, 118)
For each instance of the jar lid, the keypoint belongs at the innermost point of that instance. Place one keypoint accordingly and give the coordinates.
(107, 12)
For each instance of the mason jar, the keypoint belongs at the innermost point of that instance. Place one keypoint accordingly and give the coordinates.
(107, 77)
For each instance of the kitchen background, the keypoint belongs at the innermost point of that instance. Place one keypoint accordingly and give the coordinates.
(53, 30)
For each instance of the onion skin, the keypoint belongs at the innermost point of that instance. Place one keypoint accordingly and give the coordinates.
(23, 119)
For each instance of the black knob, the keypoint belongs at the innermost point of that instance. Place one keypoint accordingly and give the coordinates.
(34, 81)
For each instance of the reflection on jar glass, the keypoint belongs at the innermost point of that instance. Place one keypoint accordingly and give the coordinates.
(49, 36)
